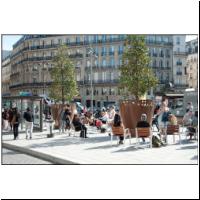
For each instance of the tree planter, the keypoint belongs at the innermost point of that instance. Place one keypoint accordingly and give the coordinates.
(131, 112)
(56, 110)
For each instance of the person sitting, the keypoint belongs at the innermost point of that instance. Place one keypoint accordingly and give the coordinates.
(117, 123)
(111, 115)
(143, 123)
(187, 119)
(192, 128)
(79, 126)
(104, 116)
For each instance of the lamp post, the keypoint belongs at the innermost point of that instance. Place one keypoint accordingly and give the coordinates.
(90, 51)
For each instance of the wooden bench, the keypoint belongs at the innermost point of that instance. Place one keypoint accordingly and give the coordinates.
(120, 131)
(173, 130)
(144, 133)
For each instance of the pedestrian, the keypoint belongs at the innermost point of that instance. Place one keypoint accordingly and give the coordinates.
(67, 116)
(79, 126)
(15, 122)
(62, 119)
(10, 113)
(28, 116)
(5, 117)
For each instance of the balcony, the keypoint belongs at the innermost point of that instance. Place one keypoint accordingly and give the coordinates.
(108, 81)
(36, 84)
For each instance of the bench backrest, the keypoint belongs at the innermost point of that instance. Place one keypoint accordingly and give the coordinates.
(172, 129)
(117, 130)
(143, 132)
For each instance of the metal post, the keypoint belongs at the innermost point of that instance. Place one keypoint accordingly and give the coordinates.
(91, 84)
(43, 74)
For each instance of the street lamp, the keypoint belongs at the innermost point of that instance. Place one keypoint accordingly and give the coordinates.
(91, 52)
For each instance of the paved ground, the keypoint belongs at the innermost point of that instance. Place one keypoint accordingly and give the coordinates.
(97, 149)
(13, 157)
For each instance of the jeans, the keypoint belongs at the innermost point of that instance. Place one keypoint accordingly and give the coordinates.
(29, 128)
(15, 130)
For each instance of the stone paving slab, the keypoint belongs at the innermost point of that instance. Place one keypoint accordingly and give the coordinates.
(97, 149)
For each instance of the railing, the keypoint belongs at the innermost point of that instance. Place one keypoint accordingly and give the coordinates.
(158, 42)
(33, 84)
(101, 81)
(68, 44)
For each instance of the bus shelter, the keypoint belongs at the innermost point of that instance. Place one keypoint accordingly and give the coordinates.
(22, 103)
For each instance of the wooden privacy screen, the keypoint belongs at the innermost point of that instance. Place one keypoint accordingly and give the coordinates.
(131, 112)
(56, 110)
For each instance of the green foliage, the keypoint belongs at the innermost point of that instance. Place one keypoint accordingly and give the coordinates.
(136, 75)
(64, 86)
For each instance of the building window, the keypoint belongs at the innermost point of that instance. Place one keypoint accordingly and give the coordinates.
(167, 53)
(103, 51)
(112, 61)
(96, 62)
(112, 50)
(161, 63)
(167, 63)
(178, 40)
(59, 41)
(77, 40)
(103, 38)
(88, 63)
(104, 62)
(120, 49)
(120, 61)
(154, 63)
(68, 41)
(96, 51)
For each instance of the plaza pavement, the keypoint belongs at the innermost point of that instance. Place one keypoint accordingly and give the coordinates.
(97, 149)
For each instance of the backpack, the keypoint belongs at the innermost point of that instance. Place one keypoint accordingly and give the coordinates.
(156, 142)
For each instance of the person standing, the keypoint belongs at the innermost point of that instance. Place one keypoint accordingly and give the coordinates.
(15, 122)
(28, 116)
(5, 117)
(62, 123)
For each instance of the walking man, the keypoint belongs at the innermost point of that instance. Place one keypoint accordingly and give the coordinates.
(28, 116)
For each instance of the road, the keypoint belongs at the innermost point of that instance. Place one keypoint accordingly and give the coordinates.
(15, 158)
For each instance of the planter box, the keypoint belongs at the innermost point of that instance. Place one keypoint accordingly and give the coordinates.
(131, 112)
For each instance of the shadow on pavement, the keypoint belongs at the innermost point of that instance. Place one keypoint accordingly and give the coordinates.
(188, 147)
(69, 141)
(194, 158)
(130, 148)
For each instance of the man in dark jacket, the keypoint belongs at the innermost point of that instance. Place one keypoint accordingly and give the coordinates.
(143, 123)
(28, 116)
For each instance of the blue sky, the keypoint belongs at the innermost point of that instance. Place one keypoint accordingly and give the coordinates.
(9, 40)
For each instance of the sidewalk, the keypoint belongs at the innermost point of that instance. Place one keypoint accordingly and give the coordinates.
(97, 149)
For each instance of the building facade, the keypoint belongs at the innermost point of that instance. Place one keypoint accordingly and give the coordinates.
(5, 76)
(192, 63)
(179, 63)
(31, 63)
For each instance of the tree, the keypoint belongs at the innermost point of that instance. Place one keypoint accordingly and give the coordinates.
(64, 86)
(136, 75)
